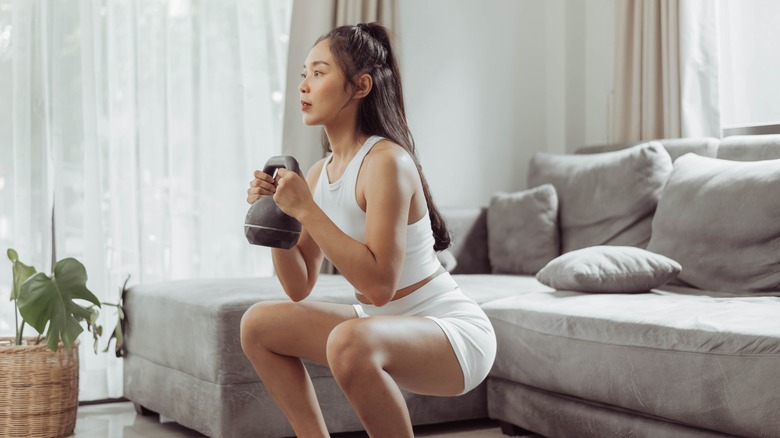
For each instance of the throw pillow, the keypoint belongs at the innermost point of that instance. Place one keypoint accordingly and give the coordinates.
(616, 269)
(605, 198)
(721, 220)
(523, 230)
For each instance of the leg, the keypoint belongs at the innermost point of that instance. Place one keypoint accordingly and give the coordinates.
(275, 336)
(372, 357)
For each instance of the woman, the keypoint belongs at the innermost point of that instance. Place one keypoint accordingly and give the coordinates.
(367, 208)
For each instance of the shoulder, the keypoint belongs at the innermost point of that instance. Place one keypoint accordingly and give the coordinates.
(387, 158)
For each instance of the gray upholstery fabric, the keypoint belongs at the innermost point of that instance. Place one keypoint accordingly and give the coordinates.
(705, 362)
(750, 147)
(468, 228)
(523, 230)
(605, 269)
(607, 198)
(556, 415)
(677, 147)
(720, 219)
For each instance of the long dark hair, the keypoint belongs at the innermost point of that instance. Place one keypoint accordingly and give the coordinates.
(365, 48)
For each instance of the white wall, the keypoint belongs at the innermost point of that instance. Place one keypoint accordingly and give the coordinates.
(490, 82)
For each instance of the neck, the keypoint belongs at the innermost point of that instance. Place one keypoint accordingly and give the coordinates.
(344, 141)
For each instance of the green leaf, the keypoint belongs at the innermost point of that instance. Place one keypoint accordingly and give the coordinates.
(120, 339)
(21, 273)
(49, 300)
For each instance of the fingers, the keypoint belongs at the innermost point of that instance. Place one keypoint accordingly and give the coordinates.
(262, 185)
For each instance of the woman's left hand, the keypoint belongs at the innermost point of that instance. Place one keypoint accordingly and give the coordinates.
(292, 193)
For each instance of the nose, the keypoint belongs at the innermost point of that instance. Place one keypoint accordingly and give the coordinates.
(303, 87)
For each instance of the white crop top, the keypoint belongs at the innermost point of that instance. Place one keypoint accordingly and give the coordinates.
(339, 201)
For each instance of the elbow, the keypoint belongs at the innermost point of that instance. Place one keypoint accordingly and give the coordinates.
(296, 298)
(297, 295)
(380, 294)
(296, 292)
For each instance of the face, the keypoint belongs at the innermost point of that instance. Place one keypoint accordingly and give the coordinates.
(324, 95)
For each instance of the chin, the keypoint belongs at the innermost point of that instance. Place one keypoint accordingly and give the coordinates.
(309, 121)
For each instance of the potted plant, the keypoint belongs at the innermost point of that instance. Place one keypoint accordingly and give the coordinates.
(39, 380)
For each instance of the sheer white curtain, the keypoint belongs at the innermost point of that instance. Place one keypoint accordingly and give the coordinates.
(141, 122)
(749, 38)
(666, 70)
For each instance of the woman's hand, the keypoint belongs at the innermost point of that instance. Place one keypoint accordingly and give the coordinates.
(262, 185)
(292, 193)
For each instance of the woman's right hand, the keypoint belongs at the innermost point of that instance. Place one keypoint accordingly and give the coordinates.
(262, 185)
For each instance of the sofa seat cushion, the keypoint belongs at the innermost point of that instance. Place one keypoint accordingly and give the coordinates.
(701, 360)
(193, 325)
(484, 288)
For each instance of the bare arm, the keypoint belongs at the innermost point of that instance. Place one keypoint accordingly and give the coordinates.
(373, 268)
(298, 267)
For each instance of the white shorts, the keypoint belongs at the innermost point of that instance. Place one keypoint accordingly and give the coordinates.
(462, 320)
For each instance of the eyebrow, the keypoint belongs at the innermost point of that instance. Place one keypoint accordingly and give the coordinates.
(317, 63)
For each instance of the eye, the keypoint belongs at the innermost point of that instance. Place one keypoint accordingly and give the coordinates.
(317, 73)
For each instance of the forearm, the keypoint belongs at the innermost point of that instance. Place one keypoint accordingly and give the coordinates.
(293, 273)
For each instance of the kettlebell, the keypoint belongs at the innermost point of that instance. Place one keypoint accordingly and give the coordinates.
(266, 224)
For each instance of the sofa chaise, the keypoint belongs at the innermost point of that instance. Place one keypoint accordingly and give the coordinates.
(697, 355)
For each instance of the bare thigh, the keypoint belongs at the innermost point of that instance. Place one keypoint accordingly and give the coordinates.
(413, 350)
(295, 329)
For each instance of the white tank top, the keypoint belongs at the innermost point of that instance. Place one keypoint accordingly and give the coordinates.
(339, 201)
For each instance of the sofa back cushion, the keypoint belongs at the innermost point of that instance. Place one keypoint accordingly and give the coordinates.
(468, 228)
(607, 198)
(750, 147)
(677, 147)
(720, 220)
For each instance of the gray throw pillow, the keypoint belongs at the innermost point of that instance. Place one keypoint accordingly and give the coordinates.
(606, 198)
(609, 269)
(721, 220)
(523, 230)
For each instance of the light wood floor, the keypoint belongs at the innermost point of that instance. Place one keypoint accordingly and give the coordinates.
(119, 420)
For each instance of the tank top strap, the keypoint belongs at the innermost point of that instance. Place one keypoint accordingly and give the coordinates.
(349, 179)
(366, 148)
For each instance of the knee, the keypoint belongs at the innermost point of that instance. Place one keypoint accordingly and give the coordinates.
(351, 352)
(256, 324)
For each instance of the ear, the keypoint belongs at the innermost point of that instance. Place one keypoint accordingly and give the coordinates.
(363, 86)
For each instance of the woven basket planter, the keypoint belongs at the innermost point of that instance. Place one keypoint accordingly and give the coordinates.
(39, 390)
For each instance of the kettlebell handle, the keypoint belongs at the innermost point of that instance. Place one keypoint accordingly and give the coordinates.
(281, 162)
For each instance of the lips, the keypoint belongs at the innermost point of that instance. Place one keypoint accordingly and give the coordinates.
(305, 105)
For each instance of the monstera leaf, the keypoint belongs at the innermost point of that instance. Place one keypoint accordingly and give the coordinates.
(21, 273)
(45, 300)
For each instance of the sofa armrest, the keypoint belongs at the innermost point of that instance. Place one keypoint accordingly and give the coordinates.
(468, 228)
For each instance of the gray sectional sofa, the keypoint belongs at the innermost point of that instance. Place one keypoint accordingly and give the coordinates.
(676, 361)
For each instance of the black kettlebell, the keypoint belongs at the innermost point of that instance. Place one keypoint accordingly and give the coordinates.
(266, 224)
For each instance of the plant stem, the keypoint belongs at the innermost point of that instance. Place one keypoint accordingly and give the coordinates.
(19, 328)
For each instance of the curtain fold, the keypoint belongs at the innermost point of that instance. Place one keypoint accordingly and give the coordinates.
(666, 70)
(143, 120)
